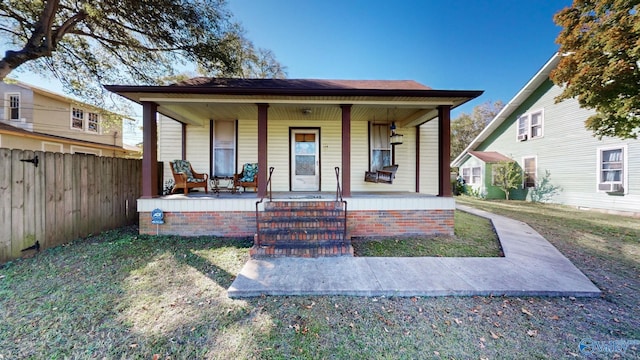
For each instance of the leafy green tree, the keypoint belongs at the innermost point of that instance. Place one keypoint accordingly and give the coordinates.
(88, 43)
(600, 41)
(466, 127)
(507, 175)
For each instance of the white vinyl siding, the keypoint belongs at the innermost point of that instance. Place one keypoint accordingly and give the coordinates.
(530, 126)
(612, 169)
(429, 180)
(169, 144)
(52, 147)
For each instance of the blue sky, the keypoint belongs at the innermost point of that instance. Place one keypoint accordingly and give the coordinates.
(495, 46)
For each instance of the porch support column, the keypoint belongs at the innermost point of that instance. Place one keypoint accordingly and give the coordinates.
(149, 150)
(262, 149)
(444, 150)
(184, 141)
(346, 150)
(417, 159)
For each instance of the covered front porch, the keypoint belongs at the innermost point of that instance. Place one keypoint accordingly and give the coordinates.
(304, 129)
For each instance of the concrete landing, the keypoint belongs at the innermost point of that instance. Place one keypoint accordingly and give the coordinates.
(531, 267)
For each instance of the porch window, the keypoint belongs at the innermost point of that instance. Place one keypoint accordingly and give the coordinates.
(611, 169)
(380, 147)
(529, 172)
(14, 106)
(77, 119)
(92, 122)
(224, 148)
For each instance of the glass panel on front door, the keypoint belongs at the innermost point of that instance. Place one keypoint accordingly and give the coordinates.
(305, 160)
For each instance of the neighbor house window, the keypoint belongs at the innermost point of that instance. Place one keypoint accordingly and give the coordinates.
(612, 169)
(530, 126)
(92, 122)
(471, 175)
(529, 178)
(224, 148)
(77, 119)
(13, 101)
(380, 147)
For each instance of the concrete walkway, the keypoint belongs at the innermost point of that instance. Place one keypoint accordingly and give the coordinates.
(531, 267)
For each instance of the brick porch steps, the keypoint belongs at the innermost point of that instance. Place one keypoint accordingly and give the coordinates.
(302, 229)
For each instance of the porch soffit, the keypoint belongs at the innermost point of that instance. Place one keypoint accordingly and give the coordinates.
(198, 109)
(200, 113)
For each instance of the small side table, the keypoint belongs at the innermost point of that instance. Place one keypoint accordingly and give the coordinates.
(215, 184)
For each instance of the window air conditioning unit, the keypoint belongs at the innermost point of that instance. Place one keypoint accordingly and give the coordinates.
(612, 188)
(522, 137)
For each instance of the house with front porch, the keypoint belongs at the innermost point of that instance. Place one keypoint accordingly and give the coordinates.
(314, 142)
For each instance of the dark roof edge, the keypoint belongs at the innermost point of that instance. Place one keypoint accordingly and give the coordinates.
(292, 92)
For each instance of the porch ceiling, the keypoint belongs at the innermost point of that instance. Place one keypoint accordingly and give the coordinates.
(198, 110)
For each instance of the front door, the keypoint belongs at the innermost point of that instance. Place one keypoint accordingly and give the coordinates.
(305, 160)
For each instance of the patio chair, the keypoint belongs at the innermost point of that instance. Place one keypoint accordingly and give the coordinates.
(384, 176)
(247, 178)
(185, 178)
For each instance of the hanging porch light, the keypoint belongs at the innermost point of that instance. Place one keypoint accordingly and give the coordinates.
(396, 139)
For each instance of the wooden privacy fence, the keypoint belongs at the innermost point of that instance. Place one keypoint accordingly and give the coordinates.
(64, 197)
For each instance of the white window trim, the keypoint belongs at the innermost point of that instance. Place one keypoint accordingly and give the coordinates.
(625, 166)
(470, 168)
(7, 106)
(372, 148)
(52, 144)
(527, 116)
(85, 150)
(98, 125)
(84, 121)
(535, 160)
(235, 144)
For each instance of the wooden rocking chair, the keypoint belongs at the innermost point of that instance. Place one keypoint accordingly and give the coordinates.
(384, 176)
(185, 178)
(247, 178)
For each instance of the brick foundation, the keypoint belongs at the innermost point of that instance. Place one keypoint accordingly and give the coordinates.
(215, 223)
(399, 223)
(360, 223)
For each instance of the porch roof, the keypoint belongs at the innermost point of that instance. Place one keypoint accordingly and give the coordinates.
(197, 100)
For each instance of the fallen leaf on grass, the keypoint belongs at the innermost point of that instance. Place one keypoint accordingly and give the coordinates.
(525, 311)
(555, 317)
(532, 333)
(133, 346)
(499, 313)
(310, 306)
(616, 320)
(494, 335)
(458, 321)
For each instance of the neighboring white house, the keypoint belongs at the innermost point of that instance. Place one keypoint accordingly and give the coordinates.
(542, 135)
(35, 119)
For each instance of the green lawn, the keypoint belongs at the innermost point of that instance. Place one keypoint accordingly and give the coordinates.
(119, 295)
(474, 236)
